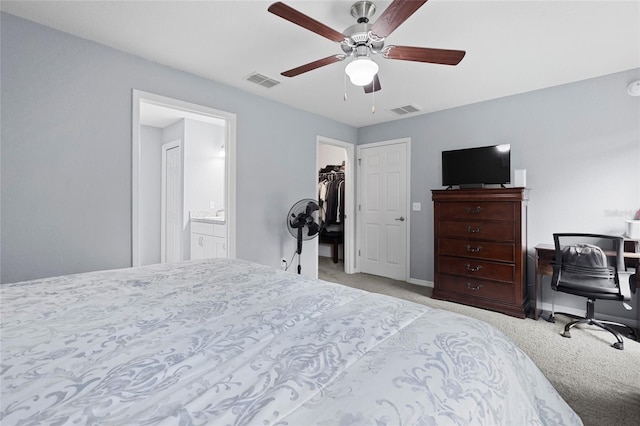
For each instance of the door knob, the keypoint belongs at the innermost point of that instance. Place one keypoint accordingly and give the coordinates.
(401, 218)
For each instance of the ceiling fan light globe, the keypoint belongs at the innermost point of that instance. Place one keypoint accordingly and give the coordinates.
(361, 71)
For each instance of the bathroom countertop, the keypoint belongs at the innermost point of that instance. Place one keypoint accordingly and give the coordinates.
(210, 219)
(207, 216)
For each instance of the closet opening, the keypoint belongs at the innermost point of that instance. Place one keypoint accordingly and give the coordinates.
(335, 198)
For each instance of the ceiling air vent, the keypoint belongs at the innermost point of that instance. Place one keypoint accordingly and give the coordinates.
(262, 80)
(407, 109)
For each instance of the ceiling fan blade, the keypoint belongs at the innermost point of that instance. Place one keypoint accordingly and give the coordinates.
(424, 54)
(290, 14)
(394, 15)
(313, 65)
(374, 86)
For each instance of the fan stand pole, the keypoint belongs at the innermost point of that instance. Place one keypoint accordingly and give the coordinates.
(299, 248)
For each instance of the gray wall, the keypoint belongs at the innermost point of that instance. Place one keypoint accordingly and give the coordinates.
(203, 172)
(580, 145)
(150, 193)
(66, 153)
(204, 168)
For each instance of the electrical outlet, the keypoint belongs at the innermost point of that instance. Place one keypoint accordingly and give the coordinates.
(283, 264)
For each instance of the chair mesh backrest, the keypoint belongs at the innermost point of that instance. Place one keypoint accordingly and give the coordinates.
(591, 251)
(588, 256)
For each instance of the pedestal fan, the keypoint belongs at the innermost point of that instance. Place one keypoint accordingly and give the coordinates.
(302, 222)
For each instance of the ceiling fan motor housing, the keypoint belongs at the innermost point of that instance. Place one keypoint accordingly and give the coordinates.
(359, 35)
(358, 41)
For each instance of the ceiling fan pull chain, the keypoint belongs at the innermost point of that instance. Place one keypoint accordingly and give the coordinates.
(373, 103)
(345, 86)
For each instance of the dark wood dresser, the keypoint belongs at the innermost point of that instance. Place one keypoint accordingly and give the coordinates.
(481, 248)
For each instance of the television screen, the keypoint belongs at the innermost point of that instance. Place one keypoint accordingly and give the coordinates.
(477, 166)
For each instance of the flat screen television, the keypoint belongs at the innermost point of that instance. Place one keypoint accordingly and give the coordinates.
(475, 167)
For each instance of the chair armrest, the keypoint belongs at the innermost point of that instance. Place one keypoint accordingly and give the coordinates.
(624, 278)
(555, 275)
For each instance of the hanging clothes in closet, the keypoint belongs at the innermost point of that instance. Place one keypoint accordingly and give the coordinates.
(331, 195)
(331, 201)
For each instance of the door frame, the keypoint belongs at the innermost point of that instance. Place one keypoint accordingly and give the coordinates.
(349, 221)
(230, 119)
(359, 224)
(163, 197)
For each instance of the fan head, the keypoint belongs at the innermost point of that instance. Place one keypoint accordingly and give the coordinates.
(302, 220)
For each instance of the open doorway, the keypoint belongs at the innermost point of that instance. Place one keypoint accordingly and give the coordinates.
(204, 186)
(335, 175)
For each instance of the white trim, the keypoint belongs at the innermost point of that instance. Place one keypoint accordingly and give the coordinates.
(135, 177)
(422, 283)
(546, 307)
(349, 225)
(407, 142)
(139, 96)
(230, 183)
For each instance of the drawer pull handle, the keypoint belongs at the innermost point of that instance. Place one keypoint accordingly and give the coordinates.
(475, 269)
(474, 211)
(474, 287)
(473, 230)
(473, 250)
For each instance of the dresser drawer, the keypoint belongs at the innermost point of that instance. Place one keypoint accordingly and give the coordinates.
(496, 291)
(477, 210)
(504, 252)
(494, 231)
(473, 268)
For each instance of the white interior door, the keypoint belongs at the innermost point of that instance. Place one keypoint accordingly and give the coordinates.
(383, 171)
(171, 209)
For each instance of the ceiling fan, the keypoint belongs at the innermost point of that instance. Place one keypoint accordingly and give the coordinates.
(363, 40)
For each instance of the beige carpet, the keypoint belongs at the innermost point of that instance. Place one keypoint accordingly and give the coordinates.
(600, 383)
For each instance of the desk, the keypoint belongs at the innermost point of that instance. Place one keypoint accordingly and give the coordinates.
(545, 254)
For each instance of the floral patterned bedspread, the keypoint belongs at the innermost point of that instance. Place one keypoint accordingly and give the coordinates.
(222, 341)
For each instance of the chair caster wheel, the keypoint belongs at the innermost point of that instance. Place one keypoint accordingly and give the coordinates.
(551, 319)
(618, 345)
(566, 334)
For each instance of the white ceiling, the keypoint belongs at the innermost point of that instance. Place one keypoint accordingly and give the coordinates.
(512, 47)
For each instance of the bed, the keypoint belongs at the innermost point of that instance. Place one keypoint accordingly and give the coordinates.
(221, 341)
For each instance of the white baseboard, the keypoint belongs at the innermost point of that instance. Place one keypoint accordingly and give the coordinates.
(581, 313)
(423, 283)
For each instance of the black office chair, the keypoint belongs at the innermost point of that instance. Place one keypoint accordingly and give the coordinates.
(592, 266)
